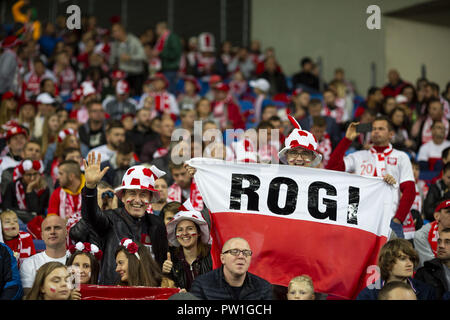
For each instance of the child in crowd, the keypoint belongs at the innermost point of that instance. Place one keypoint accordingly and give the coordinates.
(301, 288)
(21, 243)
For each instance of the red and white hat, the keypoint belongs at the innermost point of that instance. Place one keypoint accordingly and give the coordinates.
(76, 96)
(206, 42)
(14, 131)
(122, 87)
(26, 165)
(140, 178)
(245, 151)
(158, 76)
(300, 138)
(443, 205)
(221, 86)
(66, 132)
(88, 88)
(194, 81)
(118, 75)
(187, 212)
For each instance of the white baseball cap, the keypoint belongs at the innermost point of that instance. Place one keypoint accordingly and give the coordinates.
(261, 84)
(45, 98)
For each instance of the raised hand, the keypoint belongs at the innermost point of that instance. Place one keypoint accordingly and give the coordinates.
(351, 133)
(92, 171)
(190, 170)
(167, 265)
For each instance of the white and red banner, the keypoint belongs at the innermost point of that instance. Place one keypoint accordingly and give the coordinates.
(327, 224)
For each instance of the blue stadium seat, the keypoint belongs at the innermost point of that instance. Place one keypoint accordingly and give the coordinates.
(39, 245)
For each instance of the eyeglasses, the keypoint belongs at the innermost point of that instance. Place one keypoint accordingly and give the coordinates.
(305, 154)
(236, 252)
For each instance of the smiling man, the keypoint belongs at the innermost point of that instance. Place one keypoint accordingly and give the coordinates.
(54, 234)
(232, 281)
(132, 220)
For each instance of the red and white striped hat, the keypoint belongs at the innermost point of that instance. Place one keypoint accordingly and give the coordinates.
(187, 212)
(206, 42)
(122, 87)
(140, 178)
(300, 138)
(66, 132)
(26, 165)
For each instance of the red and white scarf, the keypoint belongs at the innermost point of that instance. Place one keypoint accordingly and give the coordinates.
(174, 193)
(380, 160)
(162, 101)
(159, 46)
(20, 195)
(325, 147)
(433, 237)
(69, 206)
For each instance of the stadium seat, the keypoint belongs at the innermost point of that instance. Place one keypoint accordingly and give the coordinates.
(39, 245)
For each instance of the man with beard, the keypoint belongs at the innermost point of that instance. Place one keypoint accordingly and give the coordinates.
(382, 160)
(119, 164)
(115, 135)
(136, 192)
(65, 200)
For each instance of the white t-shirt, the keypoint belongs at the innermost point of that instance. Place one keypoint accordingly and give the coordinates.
(30, 266)
(397, 164)
(430, 150)
(104, 151)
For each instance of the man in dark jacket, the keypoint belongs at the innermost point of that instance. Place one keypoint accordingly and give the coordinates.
(437, 193)
(10, 284)
(436, 272)
(232, 281)
(131, 221)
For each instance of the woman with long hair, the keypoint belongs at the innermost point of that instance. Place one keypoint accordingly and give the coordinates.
(52, 282)
(8, 108)
(85, 261)
(136, 266)
(49, 131)
(190, 256)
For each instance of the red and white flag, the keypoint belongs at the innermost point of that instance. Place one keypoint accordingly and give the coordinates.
(327, 224)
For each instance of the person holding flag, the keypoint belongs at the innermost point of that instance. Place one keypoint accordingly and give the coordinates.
(382, 160)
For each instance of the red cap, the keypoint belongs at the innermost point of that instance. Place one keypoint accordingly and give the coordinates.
(8, 95)
(194, 81)
(126, 115)
(214, 78)
(118, 75)
(222, 86)
(443, 205)
(158, 76)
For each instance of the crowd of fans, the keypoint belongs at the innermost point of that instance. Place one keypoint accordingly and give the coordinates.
(79, 108)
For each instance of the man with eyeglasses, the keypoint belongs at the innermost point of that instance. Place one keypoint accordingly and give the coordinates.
(232, 281)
